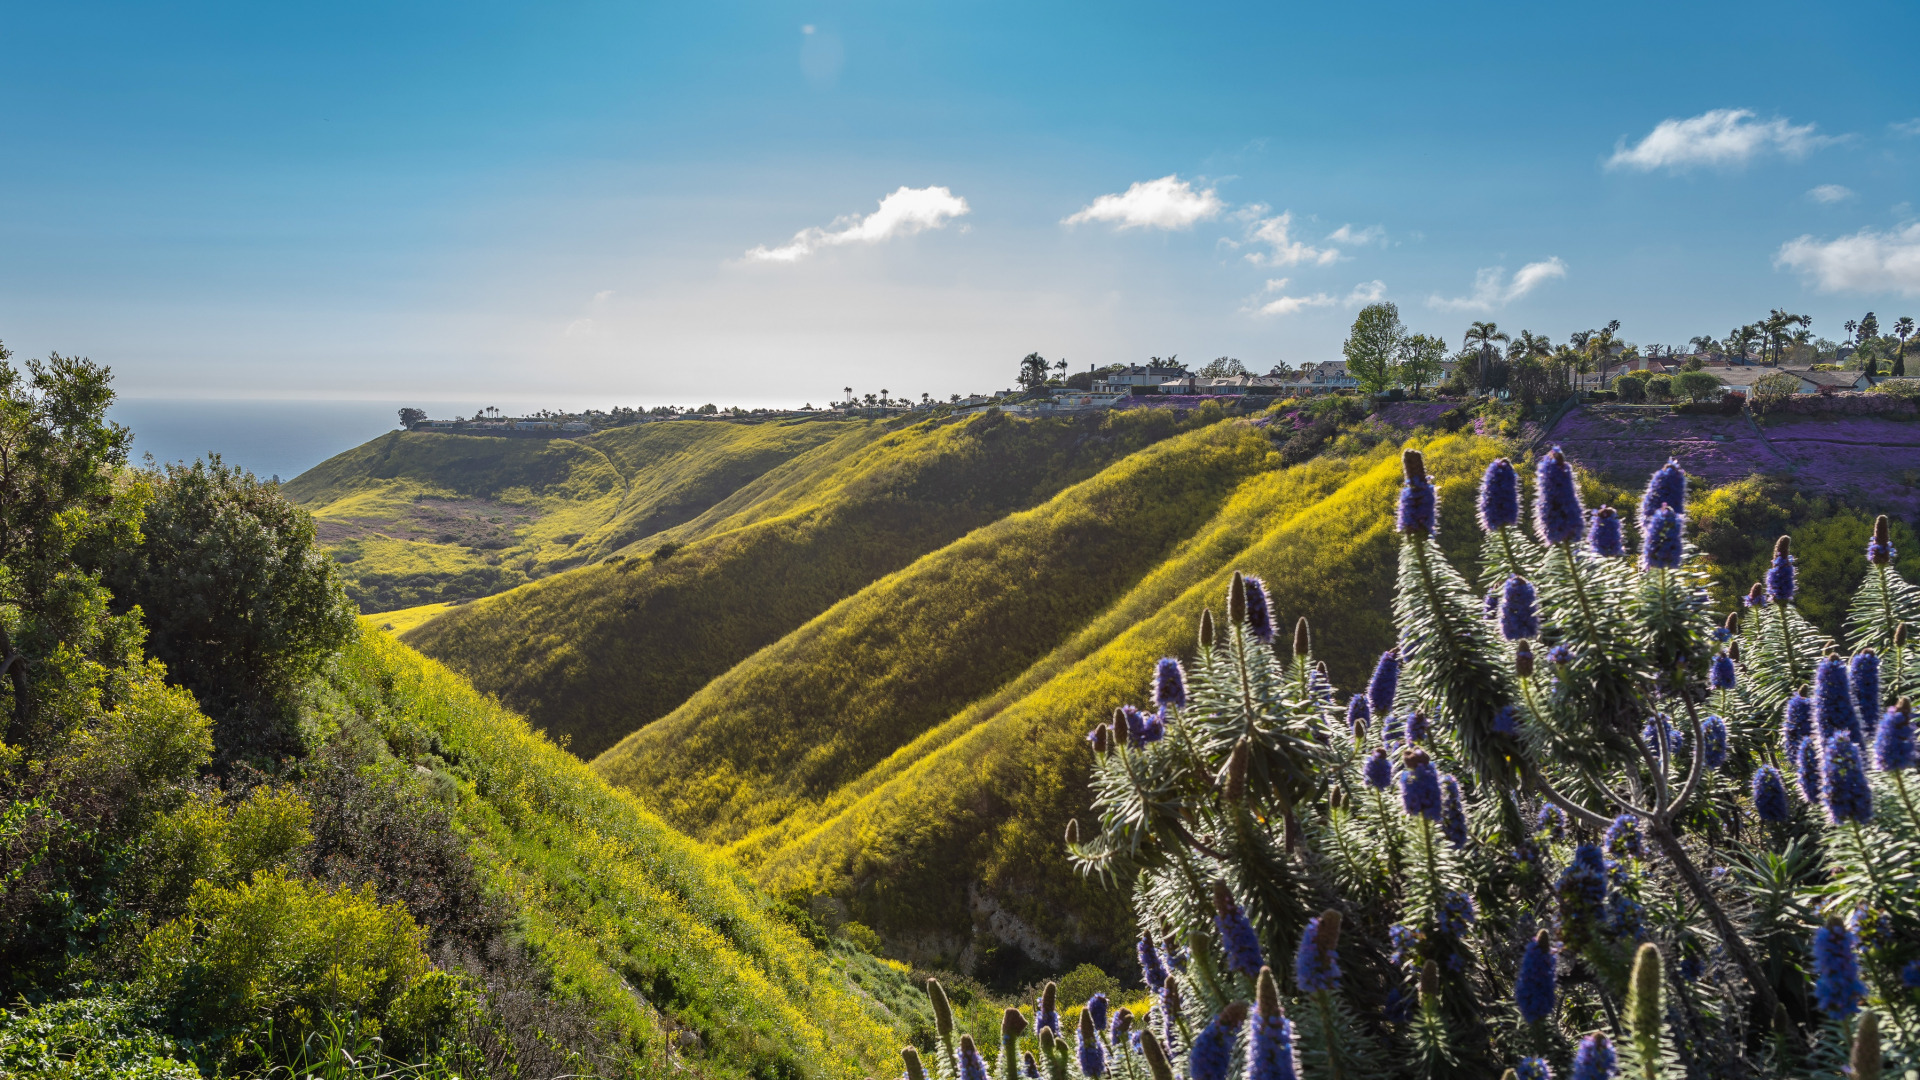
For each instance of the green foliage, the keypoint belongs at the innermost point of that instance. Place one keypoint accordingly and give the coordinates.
(1736, 525)
(600, 652)
(92, 1038)
(1085, 981)
(272, 950)
(1777, 385)
(1697, 385)
(238, 601)
(1373, 346)
(1631, 386)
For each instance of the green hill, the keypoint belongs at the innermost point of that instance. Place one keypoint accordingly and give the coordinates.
(598, 652)
(417, 518)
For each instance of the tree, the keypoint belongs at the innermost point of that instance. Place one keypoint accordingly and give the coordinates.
(1631, 386)
(410, 417)
(1481, 337)
(1373, 346)
(1280, 370)
(1033, 371)
(1869, 327)
(1701, 343)
(1060, 368)
(1697, 385)
(1420, 360)
(1223, 368)
(1598, 348)
(1902, 329)
(240, 602)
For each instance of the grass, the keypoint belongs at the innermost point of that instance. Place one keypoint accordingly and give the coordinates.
(650, 930)
(983, 797)
(597, 653)
(417, 518)
(399, 622)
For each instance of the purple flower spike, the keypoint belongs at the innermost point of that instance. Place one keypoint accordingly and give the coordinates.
(1152, 969)
(1769, 795)
(1270, 1050)
(1499, 496)
(1603, 539)
(1379, 770)
(1358, 713)
(1557, 512)
(1721, 676)
(1453, 814)
(1713, 741)
(1667, 487)
(1893, 747)
(1242, 944)
(1863, 677)
(1836, 970)
(1533, 1068)
(1833, 711)
(1807, 772)
(1519, 618)
(1779, 579)
(1663, 549)
(1595, 1060)
(1844, 782)
(1796, 726)
(1880, 551)
(1419, 503)
(1316, 963)
(1420, 787)
(1534, 990)
(1169, 683)
(1212, 1052)
(1384, 684)
(1259, 613)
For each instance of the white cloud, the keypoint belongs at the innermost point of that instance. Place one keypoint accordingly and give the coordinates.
(1868, 261)
(1830, 193)
(1366, 292)
(1906, 127)
(603, 296)
(1284, 250)
(903, 213)
(1352, 237)
(1166, 203)
(1491, 289)
(1720, 137)
(580, 328)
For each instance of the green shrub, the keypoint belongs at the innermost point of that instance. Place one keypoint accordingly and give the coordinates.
(1660, 387)
(1697, 385)
(1777, 385)
(281, 952)
(1631, 386)
(1076, 986)
(862, 935)
(239, 602)
(94, 1038)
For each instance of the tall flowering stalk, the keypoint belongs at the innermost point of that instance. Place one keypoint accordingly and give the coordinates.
(1515, 815)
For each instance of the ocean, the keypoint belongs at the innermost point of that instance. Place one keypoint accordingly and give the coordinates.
(271, 438)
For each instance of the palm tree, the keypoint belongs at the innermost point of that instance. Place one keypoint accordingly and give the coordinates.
(1902, 329)
(1598, 348)
(1703, 343)
(1484, 334)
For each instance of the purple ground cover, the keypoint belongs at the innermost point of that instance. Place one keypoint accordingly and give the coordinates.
(1868, 459)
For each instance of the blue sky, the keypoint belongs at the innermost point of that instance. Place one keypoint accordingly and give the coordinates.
(578, 203)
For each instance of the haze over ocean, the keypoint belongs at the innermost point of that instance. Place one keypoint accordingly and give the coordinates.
(271, 438)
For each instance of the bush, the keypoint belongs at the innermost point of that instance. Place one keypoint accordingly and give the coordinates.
(240, 604)
(1632, 386)
(1901, 388)
(1777, 385)
(97, 1038)
(1660, 387)
(1697, 385)
(276, 954)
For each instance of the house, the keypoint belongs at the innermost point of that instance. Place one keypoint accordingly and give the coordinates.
(1742, 377)
(1124, 380)
(1328, 375)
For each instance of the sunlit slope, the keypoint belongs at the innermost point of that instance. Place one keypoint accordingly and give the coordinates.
(595, 653)
(983, 797)
(650, 930)
(417, 518)
(792, 724)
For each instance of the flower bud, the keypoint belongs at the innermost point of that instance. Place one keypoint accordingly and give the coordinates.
(1900, 635)
(942, 1012)
(1733, 623)
(1102, 741)
(1523, 662)
(1073, 832)
(1430, 982)
(1302, 639)
(1122, 1024)
(1206, 628)
(1156, 1055)
(1237, 600)
(1012, 1024)
(1866, 1058)
(1236, 786)
(912, 1058)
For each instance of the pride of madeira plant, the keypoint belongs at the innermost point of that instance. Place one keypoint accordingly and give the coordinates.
(1573, 826)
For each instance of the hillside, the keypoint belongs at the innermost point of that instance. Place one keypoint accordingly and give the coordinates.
(418, 518)
(601, 651)
(867, 672)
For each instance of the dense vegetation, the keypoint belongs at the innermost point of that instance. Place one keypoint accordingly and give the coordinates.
(242, 836)
(599, 652)
(1552, 832)
(417, 518)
